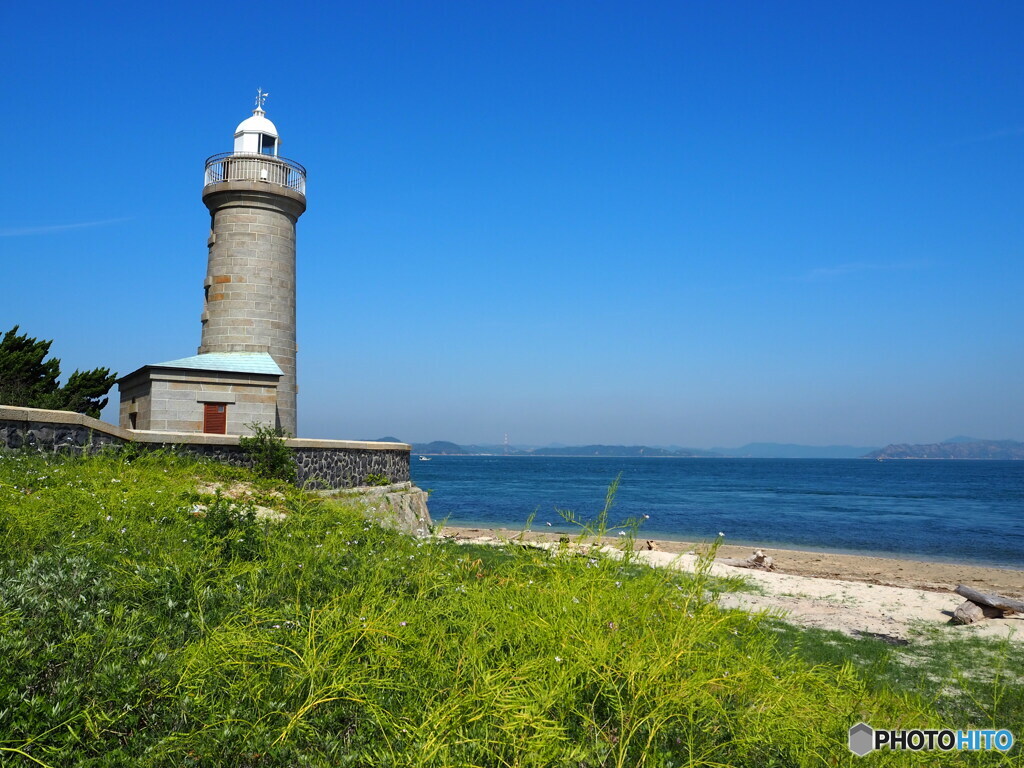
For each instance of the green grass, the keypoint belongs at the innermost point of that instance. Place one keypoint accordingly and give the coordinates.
(134, 632)
(966, 679)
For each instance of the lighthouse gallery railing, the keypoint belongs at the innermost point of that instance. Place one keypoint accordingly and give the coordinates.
(244, 166)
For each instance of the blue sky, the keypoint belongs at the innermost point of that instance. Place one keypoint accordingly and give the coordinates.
(664, 223)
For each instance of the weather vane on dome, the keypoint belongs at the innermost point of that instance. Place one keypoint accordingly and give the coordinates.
(261, 98)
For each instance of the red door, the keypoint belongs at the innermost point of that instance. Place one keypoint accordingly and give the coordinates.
(215, 418)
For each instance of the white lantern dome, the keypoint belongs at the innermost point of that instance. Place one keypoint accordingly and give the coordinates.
(256, 134)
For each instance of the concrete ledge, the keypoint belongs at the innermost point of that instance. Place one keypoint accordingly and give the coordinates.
(43, 416)
(201, 438)
(40, 415)
(215, 397)
(358, 445)
(370, 491)
(255, 193)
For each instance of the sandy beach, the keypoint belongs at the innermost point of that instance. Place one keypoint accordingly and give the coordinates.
(855, 594)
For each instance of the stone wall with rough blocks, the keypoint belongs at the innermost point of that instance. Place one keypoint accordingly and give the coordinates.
(52, 437)
(250, 281)
(320, 464)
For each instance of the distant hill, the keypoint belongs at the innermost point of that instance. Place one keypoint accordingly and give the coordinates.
(977, 449)
(443, 447)
(794, 451)
(439, 447)
(625, 451)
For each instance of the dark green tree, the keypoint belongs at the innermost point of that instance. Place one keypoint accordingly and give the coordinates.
(28, 379)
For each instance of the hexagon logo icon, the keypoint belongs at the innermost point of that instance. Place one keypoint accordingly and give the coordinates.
(862, 739)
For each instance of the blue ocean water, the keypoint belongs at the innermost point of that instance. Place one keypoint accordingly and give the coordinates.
(964, 511)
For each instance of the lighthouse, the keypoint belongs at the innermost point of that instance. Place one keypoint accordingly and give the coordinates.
(255, 198)
(245, 369)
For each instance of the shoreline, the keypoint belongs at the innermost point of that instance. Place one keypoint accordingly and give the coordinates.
(672, 541)
(890, 571)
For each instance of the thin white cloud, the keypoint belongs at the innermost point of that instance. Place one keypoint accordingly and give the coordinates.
(1003, 133)
(47, 229)
(841, 270)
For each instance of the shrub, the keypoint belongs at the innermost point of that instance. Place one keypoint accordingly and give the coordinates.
(376, 479)
(266, 449)
(232, 529)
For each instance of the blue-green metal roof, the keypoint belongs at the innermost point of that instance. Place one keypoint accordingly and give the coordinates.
(230, 362)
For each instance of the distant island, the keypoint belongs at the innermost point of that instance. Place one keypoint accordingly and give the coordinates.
(794, 451)
(749, 451)
(445, 448)
(955, 448)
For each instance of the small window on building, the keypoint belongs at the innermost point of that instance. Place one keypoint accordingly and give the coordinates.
(215, 418)
(269, 145)
(133, 420)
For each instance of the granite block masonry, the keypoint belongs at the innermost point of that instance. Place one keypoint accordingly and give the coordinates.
(249, 303)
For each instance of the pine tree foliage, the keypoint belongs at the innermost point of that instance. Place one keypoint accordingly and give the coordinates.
(29, 380)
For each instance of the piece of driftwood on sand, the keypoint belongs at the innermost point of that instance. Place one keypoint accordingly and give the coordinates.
(982, 605)
(757, 560)
(969, 612)
(1005, 604)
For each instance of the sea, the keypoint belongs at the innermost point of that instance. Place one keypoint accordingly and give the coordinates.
(956, 511)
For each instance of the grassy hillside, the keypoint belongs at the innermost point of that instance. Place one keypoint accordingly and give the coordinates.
(135, 631)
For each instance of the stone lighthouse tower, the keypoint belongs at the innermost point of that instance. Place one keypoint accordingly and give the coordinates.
(244, 373)
(255, 198)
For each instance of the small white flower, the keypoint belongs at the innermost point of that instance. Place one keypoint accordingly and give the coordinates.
(721, 534)
(622, 533)
(558, 659)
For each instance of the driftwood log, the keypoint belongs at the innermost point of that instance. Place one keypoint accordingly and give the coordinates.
(757, 560)
(969, 612)
(1004, 604)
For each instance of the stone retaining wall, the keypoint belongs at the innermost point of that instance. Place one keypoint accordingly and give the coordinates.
(401, 506)
(322, 464)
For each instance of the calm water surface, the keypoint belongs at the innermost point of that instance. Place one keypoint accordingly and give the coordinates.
(968, 511)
